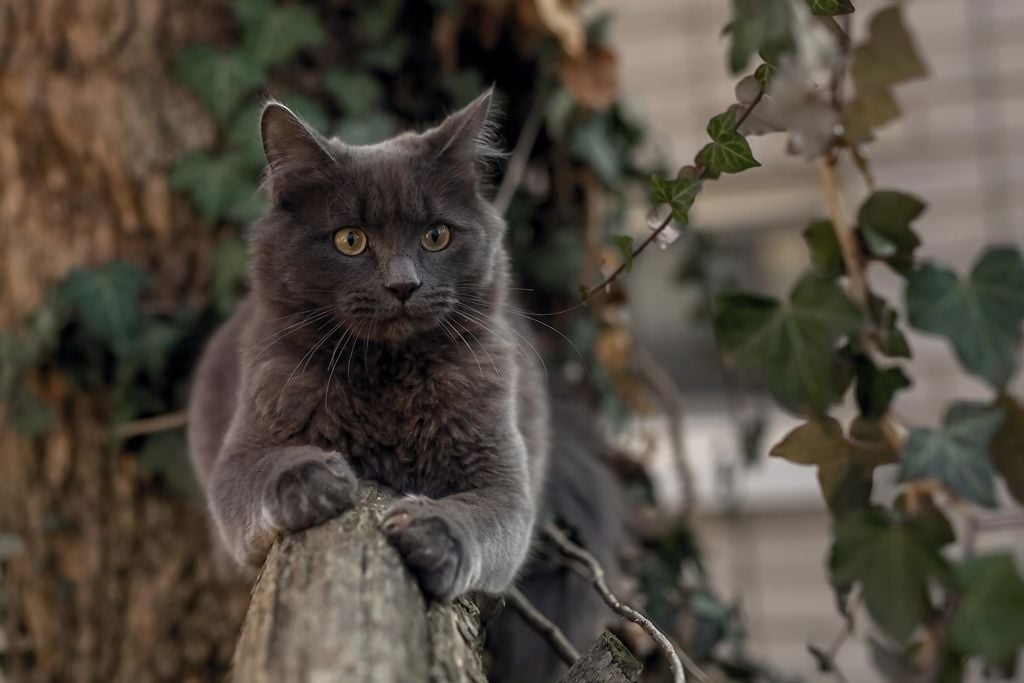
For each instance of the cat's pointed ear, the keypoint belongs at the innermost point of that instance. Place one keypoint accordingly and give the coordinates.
(469, 135)
(296, 154)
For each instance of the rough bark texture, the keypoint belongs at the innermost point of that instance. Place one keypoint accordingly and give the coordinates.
(606, 661)
(114, 582)
(335, 604)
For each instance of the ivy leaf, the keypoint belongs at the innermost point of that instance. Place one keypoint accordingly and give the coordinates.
(624, 243)
(355, 93)
(870, 109)
(981, 316)
(889, 56)
(844, 467)
(893, 561)
(678, 193)
(220, 79)
(876, 386)
(276, 33)
(791, 343)
(27, 414)
(823, 246)
(728, 151)
(1007, 446)
(759, 26)
(592, 144)
(884, 222)
(764, 75)
(106, 302)
(988, 619)
(219, 186)
(957, 454)
(890, 339)
(830, 7)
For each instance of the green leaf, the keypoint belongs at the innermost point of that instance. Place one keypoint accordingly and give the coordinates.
(229, 267)
(678, 193)
(366, 130)
(956, 455)
(759, 26)
(592, 143)
(988, 620)
(981, 316)
(876, 387)
(890, 339)
(845, 467)
(889, 56)
(309, 110)
(624, 243)
(220, 79)
(764, 75)
(219, 186)
(830, 7)
(387, 57)
(375, 21)
(106, 302)
(884, 222)
(1007, 446)
(276, 33)
(893, 561)
(356, 93)
(791, 343)
(728, 151)
(823, 245)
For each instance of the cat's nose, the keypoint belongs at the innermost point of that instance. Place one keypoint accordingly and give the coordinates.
(403, 290)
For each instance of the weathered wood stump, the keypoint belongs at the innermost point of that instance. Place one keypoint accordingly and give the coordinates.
(606, 661)
(335, 604)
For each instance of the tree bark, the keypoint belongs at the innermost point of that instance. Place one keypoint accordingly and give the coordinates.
(335, 604)
(114, 582)
(606, 661)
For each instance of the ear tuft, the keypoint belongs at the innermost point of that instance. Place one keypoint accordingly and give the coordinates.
(295, 152)
(471, 133)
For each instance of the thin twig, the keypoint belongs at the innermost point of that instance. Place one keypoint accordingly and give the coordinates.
(671, 398)
(543, 626)
(520, 156)
(614, 275)
(592, 570)
(847, 241)
(149, 425)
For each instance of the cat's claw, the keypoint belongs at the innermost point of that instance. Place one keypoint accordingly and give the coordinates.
(430, 545)
(307, 491)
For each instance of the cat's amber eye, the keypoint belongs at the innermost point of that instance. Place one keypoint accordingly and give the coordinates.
(436, 237)
(350, 241)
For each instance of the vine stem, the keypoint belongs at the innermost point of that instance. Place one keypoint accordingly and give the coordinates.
(701, 175)
(151, 425)
(847, 241)
(543, 626)
(587, 566)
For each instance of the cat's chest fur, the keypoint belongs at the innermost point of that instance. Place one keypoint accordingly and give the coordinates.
(415, 418)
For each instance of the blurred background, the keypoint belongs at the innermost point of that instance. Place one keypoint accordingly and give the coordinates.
(129, 165)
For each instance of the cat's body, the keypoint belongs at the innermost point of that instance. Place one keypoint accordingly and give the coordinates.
(378, 343)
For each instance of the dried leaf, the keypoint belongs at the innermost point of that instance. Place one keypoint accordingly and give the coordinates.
(592, 78)
(561, 18)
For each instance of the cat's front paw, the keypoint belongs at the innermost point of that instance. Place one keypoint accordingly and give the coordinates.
(431, 545)
(308, 489)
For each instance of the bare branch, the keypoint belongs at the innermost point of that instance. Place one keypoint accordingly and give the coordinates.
(150, 425)
(587, 566)
(543, 626)
(520, 156)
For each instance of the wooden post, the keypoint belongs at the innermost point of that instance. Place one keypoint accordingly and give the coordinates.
(335, 604)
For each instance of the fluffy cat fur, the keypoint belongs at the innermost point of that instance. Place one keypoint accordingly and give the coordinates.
(399, 365)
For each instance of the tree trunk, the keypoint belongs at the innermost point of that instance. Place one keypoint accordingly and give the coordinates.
(335, 604)
(113, 582)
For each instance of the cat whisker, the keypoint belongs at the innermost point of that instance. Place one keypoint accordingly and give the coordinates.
(467, 312)
(482, 346)
(281, 334)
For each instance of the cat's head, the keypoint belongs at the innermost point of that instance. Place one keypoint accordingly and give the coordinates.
(390, 237)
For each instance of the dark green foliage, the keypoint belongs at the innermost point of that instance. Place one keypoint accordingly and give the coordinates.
(981, 315)
(624, 243)
(830, 7)
(956, 454)
(679, 193)
(884, 223)
(759, 26)
(893, 560)
(988, 616)
(728, 151)
(791, 343)
(826, 256)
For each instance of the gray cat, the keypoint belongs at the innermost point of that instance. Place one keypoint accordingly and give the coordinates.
(378, 343)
